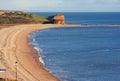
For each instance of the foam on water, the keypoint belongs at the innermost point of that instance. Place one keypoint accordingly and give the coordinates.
(34, 44)
(39, 54)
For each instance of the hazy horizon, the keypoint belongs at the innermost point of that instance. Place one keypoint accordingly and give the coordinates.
(62, 5)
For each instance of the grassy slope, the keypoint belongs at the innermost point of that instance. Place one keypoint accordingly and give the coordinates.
(13, 17)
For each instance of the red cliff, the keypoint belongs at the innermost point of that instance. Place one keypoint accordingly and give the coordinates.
(59, 19)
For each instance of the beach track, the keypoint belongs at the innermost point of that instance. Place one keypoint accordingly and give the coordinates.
(18, 57)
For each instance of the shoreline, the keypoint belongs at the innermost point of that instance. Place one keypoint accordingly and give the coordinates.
(14, 46)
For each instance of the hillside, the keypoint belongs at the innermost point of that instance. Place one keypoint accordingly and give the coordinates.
(19, 17)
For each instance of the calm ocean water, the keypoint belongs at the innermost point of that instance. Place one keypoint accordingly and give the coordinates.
(87, 18)
(82, 54)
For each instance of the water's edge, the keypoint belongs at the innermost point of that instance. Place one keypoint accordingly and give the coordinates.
(39, 50)
(39, 54)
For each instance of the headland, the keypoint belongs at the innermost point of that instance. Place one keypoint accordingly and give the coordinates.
(17, 56)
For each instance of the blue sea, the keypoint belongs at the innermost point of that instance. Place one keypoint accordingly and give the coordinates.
(82, 53)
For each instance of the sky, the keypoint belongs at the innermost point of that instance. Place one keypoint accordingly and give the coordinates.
(61, 5)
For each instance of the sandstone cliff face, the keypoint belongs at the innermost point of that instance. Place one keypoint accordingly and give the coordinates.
(1, 13)
(59, 19)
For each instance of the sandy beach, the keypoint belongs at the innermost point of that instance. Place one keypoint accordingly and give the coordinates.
(14, 46)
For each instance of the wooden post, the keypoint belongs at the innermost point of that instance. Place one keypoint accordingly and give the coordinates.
(16, 69)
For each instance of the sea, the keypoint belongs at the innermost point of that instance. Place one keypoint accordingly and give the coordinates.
(81, 53)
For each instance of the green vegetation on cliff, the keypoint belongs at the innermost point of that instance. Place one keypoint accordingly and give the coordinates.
(19, 17)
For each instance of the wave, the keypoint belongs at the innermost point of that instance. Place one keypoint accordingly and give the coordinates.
(40, 55)
(101, 50)
(39, 51)
(105, 50)
(33, 40)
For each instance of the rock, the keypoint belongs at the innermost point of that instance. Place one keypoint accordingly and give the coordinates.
(59, 19)
(1, 13)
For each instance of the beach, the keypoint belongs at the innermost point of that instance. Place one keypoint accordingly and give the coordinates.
(17, 55)
(19, 58)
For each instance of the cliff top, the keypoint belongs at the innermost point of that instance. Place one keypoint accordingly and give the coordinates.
(59, 17)
(13, 17)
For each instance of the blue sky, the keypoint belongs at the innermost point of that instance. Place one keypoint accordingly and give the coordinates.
(62, 5)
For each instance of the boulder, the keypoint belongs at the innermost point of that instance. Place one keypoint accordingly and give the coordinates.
(1, 13)
(59, 19)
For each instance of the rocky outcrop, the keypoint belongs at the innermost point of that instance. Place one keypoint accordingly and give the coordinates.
(1, 13)
(18, 17)
(59, 19)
